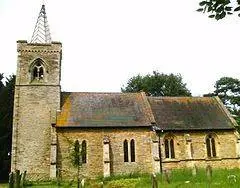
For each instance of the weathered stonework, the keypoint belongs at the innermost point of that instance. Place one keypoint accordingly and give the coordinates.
(190, 151)
(95, 143)
(53, 153)
(196, 154)
(33, 103)
(106, 157)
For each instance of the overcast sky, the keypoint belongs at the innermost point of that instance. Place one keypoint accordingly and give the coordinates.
(106, 42)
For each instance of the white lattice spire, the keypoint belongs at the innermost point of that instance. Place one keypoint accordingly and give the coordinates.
(41, 33)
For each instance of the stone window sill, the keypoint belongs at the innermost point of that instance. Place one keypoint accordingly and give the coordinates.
(129, 162)
(170, 160)
(213, 159)
(35, 81)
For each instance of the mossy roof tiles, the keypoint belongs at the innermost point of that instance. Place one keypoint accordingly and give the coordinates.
(103, 110)
(82, 109)
(190, 113)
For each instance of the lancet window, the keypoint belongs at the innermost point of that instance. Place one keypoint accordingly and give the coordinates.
(169, 147)
(210, 144)
(126, 151)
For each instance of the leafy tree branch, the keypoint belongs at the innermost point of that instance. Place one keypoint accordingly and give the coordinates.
(219, 9)
(157, 84)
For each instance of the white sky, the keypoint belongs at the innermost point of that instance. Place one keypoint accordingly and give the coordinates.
(106, 42)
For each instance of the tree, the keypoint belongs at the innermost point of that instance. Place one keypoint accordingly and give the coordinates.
(6, 116)
(218, 9)
(1, 81)
(158, 84)
(77, 159)
(228, 90)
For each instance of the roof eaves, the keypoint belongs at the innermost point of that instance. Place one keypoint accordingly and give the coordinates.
(101, 126)
(192, 129)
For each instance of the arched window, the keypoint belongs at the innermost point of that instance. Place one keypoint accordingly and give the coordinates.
(210, 144)
(132, 147)
(125, 150)
(169, 148)
(38, 70)
(84, 151)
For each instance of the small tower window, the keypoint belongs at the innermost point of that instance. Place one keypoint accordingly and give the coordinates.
(38, 70)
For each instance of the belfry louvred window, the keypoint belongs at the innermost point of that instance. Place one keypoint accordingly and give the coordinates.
(38, 70)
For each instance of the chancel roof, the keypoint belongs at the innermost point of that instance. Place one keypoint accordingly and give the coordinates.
(190, 113)
(104, 110)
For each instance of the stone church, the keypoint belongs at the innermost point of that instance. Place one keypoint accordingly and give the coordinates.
(118, 132)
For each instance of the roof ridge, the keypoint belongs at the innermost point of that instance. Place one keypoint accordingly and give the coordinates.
(84, 92)
(178, 97)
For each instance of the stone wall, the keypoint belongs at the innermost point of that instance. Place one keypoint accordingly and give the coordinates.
(95, 143)
(147, 155)
(34, 104)
(196, 154)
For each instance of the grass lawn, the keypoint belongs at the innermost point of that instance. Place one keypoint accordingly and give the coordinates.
(223, 178)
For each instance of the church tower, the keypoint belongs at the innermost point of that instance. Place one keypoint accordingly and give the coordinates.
(36, 101)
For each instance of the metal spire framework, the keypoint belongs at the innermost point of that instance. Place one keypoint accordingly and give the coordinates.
(41, 33)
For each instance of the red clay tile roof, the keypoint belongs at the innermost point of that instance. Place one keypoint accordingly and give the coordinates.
(103, 110)
(189, 113)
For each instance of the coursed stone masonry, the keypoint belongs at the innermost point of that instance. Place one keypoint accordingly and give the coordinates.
(33, 102)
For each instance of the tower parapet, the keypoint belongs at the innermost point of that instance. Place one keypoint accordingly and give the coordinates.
(41, 62)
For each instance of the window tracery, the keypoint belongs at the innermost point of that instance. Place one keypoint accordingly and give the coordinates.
(38, 70)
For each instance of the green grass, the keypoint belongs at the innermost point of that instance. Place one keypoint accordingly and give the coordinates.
(3, 185)
(222, 178)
